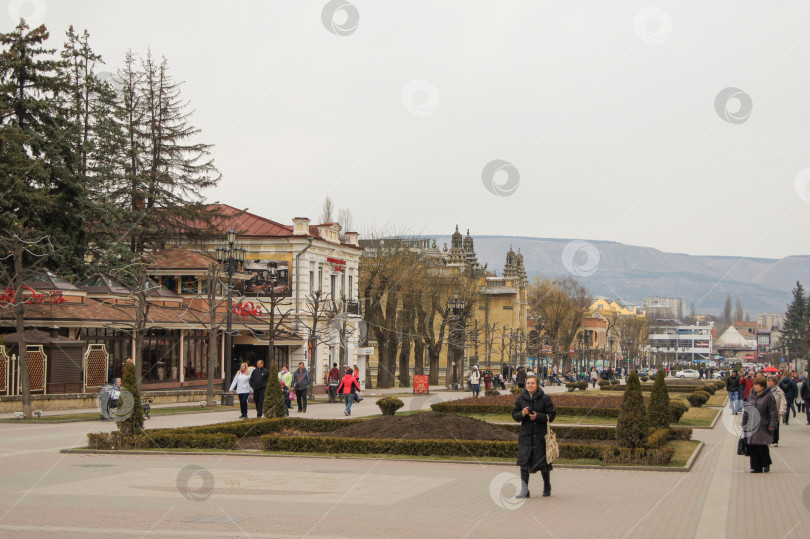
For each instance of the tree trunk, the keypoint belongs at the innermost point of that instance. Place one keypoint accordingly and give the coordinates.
(19, 322)
(213, 356)
(418, 356)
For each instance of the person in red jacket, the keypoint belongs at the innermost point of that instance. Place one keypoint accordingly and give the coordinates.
(348, 388)
(747, 383)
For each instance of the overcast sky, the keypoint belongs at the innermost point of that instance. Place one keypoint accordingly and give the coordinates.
(609, 117)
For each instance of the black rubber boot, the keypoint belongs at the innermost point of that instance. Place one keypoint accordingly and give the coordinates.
(524, 485)
(546, 482)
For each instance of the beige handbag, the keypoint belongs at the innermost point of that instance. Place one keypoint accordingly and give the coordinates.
(552, 447)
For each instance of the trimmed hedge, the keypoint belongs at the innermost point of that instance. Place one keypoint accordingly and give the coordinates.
(260, 426)
(445, 448)
(658, 438)
(678, 408)
(160, 440)
(559, 399)
(672, 388)
(641, 456)
(389, 405)
(698, 398)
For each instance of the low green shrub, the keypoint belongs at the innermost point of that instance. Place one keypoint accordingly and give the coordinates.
(680, 433)
(645, 379)
(658, 438)
(161, 440)
(698, 398)
(516, 391)
(449, 448)
(492, 393)
(571, 386)
(582, 384)
(678, 408)
(390, 405)
(614, 382)
(259, 426)
(640, 456)
(603, 384)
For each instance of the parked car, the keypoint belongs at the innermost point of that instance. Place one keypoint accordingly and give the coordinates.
(643, 372)
(721, 375)
(689, 373)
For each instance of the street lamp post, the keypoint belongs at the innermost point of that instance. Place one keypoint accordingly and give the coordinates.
(229, 255)
(456, 307)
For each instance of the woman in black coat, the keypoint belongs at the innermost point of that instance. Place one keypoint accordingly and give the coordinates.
(534, 410)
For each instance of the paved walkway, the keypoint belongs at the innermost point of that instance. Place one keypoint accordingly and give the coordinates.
(48, 494)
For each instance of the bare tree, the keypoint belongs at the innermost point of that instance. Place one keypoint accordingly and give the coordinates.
(563, 303)
(210, 316)
(27, 251)
(327, 210)
(321, 311)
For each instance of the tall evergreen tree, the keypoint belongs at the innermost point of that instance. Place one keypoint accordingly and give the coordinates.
(164, 169)
(632, 428)
(739, 313)
(727, 310)
(797, 319)
(29, 80)
(659, 411)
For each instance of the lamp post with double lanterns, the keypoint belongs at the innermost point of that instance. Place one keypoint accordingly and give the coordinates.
(539, 326)
(231, 256)
(455, 306)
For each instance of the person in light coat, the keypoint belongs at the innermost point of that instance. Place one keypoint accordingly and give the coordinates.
(241, 382)
(781, 405)
(475, 381)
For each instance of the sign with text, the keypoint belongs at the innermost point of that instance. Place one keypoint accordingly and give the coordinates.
(421, 384)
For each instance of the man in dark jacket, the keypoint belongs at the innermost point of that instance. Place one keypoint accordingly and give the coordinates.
(520, 378)
(300, 383)
(791, 391)
(805, 394)
(733, 388)
(258, 382)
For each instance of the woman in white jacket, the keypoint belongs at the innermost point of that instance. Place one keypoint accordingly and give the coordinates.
(475, 381)
(241, 382)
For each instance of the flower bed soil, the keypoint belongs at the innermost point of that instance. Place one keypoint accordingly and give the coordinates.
(427, 426)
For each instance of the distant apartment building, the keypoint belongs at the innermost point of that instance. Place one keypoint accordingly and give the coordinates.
(675, 306)
(670, 340)
(770, 321)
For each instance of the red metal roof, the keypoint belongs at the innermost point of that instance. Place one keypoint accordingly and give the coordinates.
(248, 224)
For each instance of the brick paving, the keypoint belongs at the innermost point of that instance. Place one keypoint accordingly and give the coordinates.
(48, 494)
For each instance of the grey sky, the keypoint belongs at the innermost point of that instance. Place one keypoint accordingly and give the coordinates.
(606, 110)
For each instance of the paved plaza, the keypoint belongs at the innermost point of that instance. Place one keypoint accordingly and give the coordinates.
(47, 493)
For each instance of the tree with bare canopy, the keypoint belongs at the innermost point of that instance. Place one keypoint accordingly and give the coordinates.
(22, 254)
(563, 304)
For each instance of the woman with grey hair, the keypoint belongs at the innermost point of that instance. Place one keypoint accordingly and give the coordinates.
(534, 411)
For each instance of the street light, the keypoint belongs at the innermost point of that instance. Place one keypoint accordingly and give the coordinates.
(539, 325)
(231, 256)
(456, 307)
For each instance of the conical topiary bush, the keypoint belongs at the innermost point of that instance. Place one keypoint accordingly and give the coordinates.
(659, 409)
(129, 405)
(274, 403)
(633, 426)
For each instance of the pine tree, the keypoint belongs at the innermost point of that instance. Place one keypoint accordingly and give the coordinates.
(795, 328)
(274, 403)
(29, 82)
(727, 310)
(658, 409)
(739, 313)
(633, 427)
(134, 423)
(164, 170)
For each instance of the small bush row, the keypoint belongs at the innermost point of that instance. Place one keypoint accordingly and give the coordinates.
(582, 384)
(160, 440)
(678, 408)
(698, 398)
(658, 438)
(641, 456)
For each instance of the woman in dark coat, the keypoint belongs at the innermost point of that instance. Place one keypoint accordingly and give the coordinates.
(534, 410)
(761, 412)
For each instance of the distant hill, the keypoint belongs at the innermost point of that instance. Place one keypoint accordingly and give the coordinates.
(628, 272)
